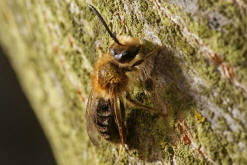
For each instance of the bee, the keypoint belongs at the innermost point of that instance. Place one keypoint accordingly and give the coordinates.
(105, 111)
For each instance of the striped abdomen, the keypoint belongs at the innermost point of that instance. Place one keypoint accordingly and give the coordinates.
(104, 120)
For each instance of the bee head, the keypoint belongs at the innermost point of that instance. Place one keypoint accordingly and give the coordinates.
(126, 51)
(125, 48)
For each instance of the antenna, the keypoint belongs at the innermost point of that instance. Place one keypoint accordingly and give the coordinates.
(113, 36)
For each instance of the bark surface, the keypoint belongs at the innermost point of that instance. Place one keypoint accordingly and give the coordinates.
(199, 77)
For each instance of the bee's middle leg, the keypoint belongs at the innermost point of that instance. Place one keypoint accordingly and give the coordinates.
(137, 104)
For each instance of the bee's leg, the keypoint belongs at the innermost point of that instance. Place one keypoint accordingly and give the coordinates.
(123, 27)
(139, 105)
(100, 50)
(118, 119)
(136, 104)
(120, 152)
(122, 110)
(120, 18)
(147, 56)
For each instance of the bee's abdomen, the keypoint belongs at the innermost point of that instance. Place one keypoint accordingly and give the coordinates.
(105, 121)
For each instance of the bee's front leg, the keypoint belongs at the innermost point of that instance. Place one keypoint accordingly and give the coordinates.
(100, 50)
(139, 62)
(123, 27)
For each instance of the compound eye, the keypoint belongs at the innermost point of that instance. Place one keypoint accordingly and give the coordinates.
(117, 55)
(124, 55)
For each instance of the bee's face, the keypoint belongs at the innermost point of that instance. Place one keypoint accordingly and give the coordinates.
(124, 54)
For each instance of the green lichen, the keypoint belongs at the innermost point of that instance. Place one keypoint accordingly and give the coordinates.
(151, 136)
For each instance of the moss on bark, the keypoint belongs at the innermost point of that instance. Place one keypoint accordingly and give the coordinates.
(199, 77)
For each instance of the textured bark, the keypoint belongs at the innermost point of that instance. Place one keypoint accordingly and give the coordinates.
(199, 78)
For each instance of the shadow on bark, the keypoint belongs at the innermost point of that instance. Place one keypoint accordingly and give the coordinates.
(153, 136)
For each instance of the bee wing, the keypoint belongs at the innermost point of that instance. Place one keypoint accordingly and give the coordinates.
(90, 116)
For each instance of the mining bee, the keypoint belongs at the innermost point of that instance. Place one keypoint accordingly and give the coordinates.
(105, 110)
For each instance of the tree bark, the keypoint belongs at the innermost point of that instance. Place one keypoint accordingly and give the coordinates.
(199, 78)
